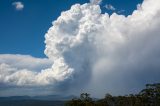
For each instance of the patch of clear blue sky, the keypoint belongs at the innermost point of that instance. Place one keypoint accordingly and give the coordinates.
(22, 32)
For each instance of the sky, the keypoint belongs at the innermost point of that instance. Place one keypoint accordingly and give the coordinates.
(29, 24)
(74, 46)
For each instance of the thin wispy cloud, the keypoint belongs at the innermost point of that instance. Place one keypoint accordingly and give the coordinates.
(139, 7)
(110, 7)
(18, 5)
(96, 1)
(121, 11)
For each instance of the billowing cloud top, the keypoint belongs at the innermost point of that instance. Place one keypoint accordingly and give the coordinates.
(99, 50)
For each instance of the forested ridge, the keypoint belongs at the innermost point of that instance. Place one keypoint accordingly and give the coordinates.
(149, 96)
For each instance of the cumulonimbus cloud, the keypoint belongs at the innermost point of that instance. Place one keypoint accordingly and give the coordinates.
(106, 50)
(99, 50)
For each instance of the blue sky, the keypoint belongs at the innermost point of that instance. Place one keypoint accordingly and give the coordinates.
(22, 31)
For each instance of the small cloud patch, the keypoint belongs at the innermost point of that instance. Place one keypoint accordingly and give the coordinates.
(18, 5)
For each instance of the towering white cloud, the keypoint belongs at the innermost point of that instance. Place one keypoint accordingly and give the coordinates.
(99, 50)
(106, 51)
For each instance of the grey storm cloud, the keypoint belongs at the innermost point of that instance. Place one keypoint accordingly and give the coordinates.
(97, 53)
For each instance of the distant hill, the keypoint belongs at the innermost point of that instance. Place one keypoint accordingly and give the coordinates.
(31, 103)
(49, 100)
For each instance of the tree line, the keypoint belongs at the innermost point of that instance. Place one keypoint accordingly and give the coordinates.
(149, 96)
